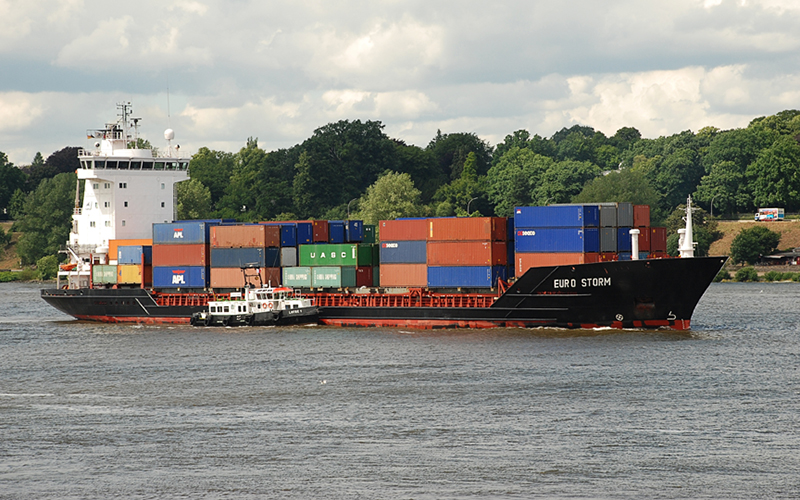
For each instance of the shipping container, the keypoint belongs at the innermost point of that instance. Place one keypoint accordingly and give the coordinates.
(644, 239)
(403, 230)
(624, 214)
(641, 216)
(327, 277)
(467, 229)
(465, 276)
(194, 277)
(345, 254)
(180, 255)
(624, 256)
(623, 239)
(249, 235)
(658, 239)
(297, 277)
(557, 239)
(467, 253)
(288, 256)
(608, 215)
(231, 277)
(354, 231)
(305, 233)
(365, 276)
(131, 274)
(510, 258)
(403, 252)
(336, 232)
(103, 274)
(404, 275)
(369, 233)
(525, 261)
(608, 239)
(288, 235)
(133, 254)
(113, 245)
(320, 228)
(246, 257)
(510, 222)
(608, 257)
(557, 216)
(183, 233)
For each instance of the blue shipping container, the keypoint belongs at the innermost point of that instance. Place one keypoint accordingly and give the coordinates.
(184, 233)
(132, 254)
(180, 277)
(404, 252)
(510, 229)
(557, 239)
(623, 239)
(511, 261)
(557, 216)
(354, 231)
(336, 232)
(246, 257)
(305, 233)
(465, 276)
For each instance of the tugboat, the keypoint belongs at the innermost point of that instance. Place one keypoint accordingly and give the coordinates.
(259, 306)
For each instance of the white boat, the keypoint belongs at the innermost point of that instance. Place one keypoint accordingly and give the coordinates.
(264, 306)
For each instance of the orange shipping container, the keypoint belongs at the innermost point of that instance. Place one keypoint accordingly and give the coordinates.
(181, 255)
(232, 277)
(467, 229)
(641, 216)
(467, 253)
(403, 230)
(404, 275)
(525, 261)
(113, 246)
(250, 236)
(131, 274)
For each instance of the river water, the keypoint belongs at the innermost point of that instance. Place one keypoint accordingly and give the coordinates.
(99, 411)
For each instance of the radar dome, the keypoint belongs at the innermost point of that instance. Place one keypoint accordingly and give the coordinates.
(169, 134)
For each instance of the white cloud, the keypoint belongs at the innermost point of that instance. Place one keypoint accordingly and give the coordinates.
(18, 111)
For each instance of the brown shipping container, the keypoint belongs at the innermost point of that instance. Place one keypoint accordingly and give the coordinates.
(609, 257)
(644, 239)
(113, 246)
(232, 277)
(525, 261)
(403, 230)
(641, 216)
(181, 255)
(404, 275)
(467, 229)
(658, 239)
(364, 276)
(467, 253)
(250, 236)
(320, 228)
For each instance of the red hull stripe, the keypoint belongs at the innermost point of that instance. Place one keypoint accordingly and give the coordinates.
(147, 320)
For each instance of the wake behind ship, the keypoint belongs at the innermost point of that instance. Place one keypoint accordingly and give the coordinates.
(578, 266)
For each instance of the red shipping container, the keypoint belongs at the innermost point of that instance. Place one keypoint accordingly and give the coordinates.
(467, 253)
(250, 236)
(467, 229)
(641, 216)
(609, 257)
(404, 275)
(232, 277)
(644, 239)
(525, 261)
(403, 230)
(658, 239)
(320, 228)
(364, 276)
(181, 255)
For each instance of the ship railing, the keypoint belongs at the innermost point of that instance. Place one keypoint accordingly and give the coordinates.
(410, 299)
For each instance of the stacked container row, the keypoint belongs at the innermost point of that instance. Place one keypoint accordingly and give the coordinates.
(255, 247)
(181, 254)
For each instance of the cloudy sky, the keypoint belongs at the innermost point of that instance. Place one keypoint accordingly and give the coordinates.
(220, 71)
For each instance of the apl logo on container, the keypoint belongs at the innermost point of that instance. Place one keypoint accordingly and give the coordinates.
(177, 233)
(177, 278)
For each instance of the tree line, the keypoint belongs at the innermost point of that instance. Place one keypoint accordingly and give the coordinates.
(354, 169)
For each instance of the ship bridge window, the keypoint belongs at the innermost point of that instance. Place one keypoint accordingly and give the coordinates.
(86, 164)
(158, 165)
(111, 164)
(136, 165)
(147, 165)
(184, 165)
(124, 165)
(99, 164)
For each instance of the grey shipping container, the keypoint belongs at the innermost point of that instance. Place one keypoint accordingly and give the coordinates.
(625, 214)
(288, 256)
(608, 215)
(608, 238)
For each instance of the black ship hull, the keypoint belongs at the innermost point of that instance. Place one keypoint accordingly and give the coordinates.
(649, 293)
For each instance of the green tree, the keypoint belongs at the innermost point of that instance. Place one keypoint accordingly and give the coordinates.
(705, 230)
(512, 180)
(11, 179)
(60, 162)
(46, 218)
(750, 244)
(393, 195)
(213, 169)
(451, 150)
(775, 176)
(242, 193)
(746, 274)
(629, 185)
(563, 180)
(47, 267)
(5, 238)
(194, 200)
(465, 192)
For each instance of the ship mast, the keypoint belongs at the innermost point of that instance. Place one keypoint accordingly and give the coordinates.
(685, 243)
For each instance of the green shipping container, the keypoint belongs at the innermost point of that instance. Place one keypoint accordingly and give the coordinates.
(369, 234)
(348, 254)
(104, 274)
(333, 277)
(299, 277)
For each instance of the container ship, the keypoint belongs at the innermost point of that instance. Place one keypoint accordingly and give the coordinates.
(569, 266)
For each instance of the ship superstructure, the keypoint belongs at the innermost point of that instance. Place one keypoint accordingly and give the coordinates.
(126, 190)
